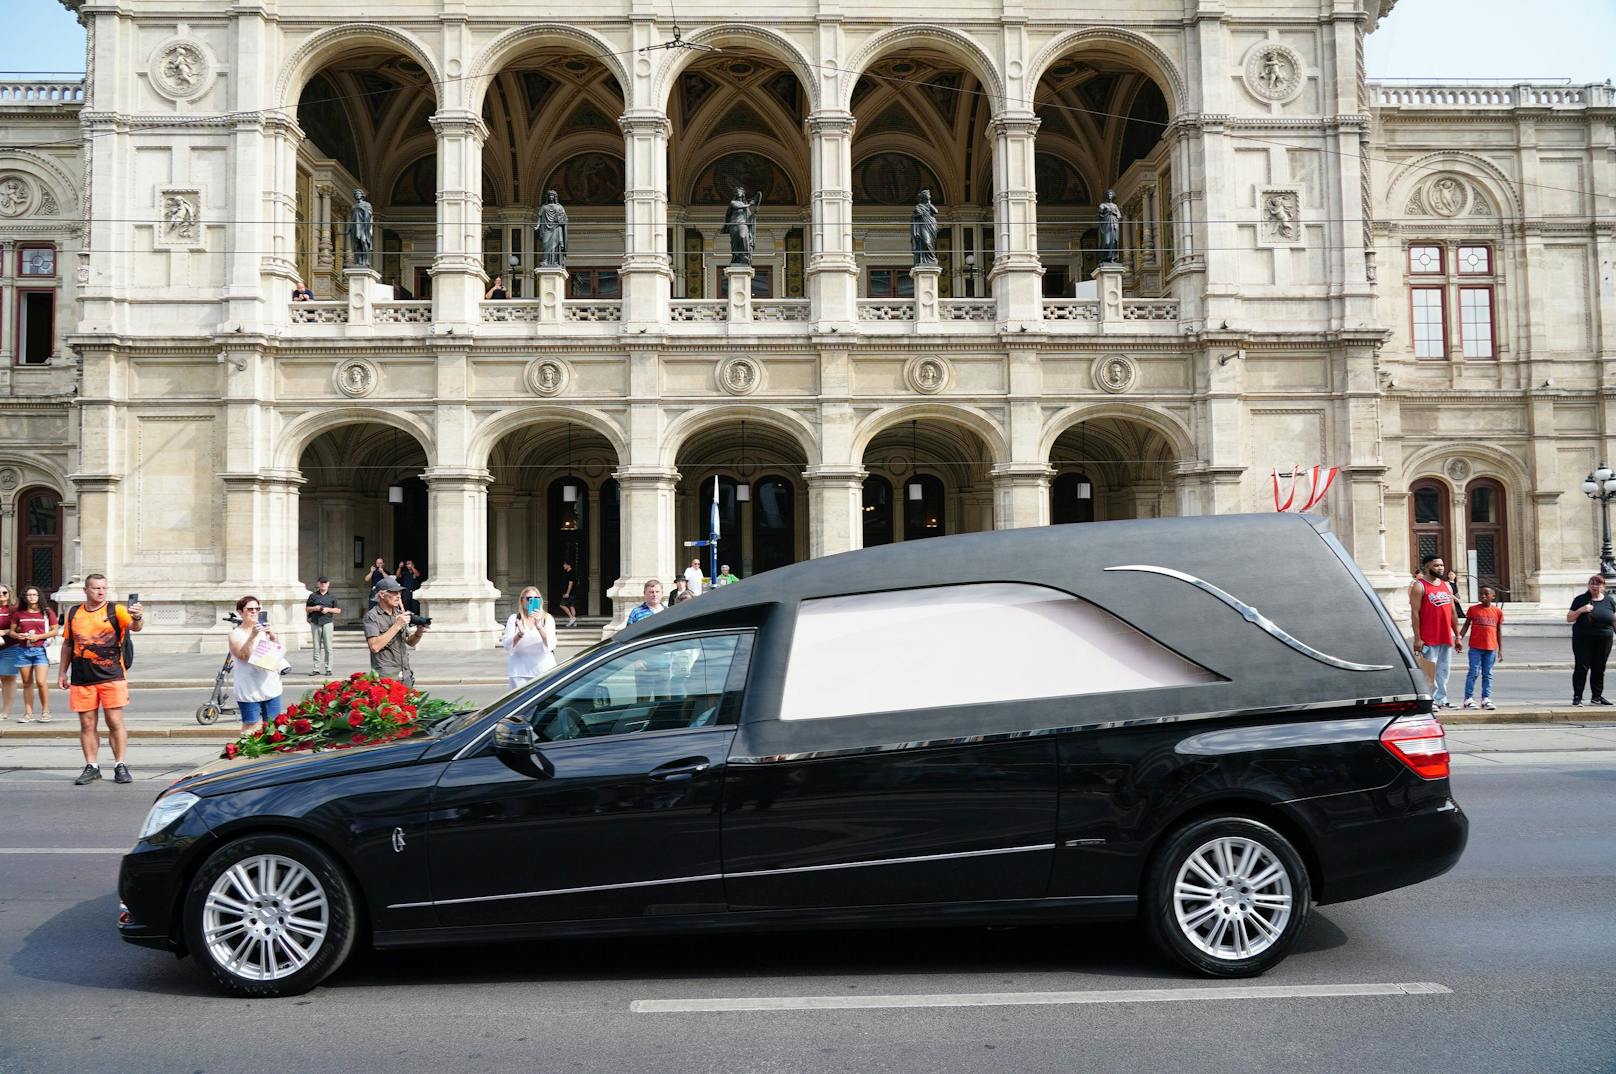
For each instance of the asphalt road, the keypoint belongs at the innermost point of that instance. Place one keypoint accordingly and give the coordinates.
(1519, 933)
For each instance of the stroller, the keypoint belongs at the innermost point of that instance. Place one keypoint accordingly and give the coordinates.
(223, 699)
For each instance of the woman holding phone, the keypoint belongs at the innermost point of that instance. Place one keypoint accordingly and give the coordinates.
(529, 639)
(258, 690)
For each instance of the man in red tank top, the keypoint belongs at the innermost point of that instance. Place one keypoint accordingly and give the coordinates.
(1436, 626)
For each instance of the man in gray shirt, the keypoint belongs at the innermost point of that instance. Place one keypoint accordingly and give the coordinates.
(388, 633)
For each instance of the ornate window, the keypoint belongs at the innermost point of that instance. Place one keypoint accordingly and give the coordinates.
(1452, 283)
(891, 282)
(1425, 260)
(36, 261)
(1429, 523)
(39, 540)
(1487, 534)
(603, 283)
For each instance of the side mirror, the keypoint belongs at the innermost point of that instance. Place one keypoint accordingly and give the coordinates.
(517, 745)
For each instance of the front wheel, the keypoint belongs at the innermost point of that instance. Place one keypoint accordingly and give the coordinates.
(269, 915)
(207, 714)
(1227, 896)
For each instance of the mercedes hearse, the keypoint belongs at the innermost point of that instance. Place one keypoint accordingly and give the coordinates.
(1120, 720)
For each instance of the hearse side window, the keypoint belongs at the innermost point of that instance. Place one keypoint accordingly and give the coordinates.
(963, 645)
(675, 684)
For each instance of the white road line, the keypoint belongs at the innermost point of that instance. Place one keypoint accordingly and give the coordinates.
(64, 850)
(1014, 999)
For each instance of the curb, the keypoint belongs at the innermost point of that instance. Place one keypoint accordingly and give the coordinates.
(299, 681)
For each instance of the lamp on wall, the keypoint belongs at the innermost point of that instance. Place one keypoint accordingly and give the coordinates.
(395, 493)
(1085, 491)
(569, 491)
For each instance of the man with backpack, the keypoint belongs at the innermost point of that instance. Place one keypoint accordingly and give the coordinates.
(96, 653)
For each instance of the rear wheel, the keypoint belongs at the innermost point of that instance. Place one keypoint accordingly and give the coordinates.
(269, 915)
(1227, 896)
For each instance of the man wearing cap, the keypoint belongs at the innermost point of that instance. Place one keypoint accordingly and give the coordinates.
(388, 633)
(322, 610)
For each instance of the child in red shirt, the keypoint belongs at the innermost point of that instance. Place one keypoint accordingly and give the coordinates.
(1484, 623)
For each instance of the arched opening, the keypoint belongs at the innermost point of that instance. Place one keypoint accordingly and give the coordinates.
(366, 122)
(1430, 524)
(553, 502)
(877, 511)
(759, 471)
(1102, 126)
(39, 540)
(738, 125)
(937, 479)
(1109, 468)
(363, 499)
(552, 113)
(921, 125)
(1487, 535)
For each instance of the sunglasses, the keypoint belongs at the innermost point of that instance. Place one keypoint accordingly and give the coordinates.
(252, 608)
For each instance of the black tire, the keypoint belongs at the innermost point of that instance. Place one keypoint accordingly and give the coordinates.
(339, 918)
(1183, 939)
(207, 714)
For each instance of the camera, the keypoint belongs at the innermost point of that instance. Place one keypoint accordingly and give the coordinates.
(420, 620)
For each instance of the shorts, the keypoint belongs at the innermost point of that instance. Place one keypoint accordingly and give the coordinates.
(33, 656)
(10, 660)
(98, 695)
(258, 711)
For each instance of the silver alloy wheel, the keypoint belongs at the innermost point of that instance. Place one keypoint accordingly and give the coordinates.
(265, 918)
(1232, 898)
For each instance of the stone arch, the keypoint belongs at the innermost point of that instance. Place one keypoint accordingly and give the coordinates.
(487, 435)
(320, 47)
(1486, 461)
(766, 41)
(951, 42)
(48, 172)
(1135, 47)
(1492, 181)
(978, 422)
(296, 435)
(33, 472)
(1177, 435)
(499, 52)
(695, 422)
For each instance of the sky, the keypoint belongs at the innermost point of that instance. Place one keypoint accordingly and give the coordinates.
(1439, 40)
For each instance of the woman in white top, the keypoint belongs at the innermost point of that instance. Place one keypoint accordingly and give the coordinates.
(529, 639)
(258, 692)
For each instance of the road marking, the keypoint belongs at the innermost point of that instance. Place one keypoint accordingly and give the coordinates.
(64, 850)
(1016, 999)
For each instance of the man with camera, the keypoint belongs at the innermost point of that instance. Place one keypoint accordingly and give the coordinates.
(391, 632)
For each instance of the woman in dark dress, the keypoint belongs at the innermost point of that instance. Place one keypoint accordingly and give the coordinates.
(1593, 623)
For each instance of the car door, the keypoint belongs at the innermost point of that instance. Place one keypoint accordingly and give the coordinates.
(620, 818)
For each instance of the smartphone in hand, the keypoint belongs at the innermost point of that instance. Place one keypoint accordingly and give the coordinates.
(134, 598)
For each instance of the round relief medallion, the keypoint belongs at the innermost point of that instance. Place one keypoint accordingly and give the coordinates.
(181, 69)
(928, 374)
(16, 196)
(1446, 196)
(1115, 373)
(739, 376)
(356, 377)
(547, 376)
(1273, 72)
(1459, 469)
(8, 479)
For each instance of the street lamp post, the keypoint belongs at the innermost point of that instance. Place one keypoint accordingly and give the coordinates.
(1600, 485)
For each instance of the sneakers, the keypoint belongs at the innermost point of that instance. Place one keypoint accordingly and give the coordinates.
(1469, 704)
(90, 774)
(1487, 703)
(1576, 702)
(120, 773)
(1599, 701)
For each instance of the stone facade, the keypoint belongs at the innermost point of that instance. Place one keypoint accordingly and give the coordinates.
(1278, 303)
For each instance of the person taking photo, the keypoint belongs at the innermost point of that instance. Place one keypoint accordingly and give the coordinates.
(389, 635)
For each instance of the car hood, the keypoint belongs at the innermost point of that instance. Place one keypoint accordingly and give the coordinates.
(224, 776)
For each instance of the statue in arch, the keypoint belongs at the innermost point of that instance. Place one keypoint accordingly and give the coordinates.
(1110, 230)
(361, 228)
(551, 231)
(740, 224)
(923, 230)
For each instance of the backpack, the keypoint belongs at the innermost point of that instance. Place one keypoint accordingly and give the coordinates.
(118, 633)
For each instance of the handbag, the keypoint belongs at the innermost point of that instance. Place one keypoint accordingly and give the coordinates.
(53, 650)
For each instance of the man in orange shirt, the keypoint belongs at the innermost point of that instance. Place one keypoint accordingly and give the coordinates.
(1484, 623)
(93, 673)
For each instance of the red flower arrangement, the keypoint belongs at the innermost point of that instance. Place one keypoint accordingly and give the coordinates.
(361, 710)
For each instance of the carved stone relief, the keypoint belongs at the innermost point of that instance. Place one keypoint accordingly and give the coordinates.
(356, 378)
(1273, 72)
(1446, 196)
(1115, 373)
(16, 195)
(8, 479)
(928, 374)
(182, 68)
(179, 218)
(1459, 470)
(547, 376)
(1281, 223)
(739, 376)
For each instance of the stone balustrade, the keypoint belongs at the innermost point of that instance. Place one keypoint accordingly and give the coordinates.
(41, 93)
(1519, 95)
(319, 313)
(698, 310)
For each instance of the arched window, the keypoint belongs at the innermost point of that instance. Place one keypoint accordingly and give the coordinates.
(774, 525)
(39, 540)
(1071, 499)
(923, 507)
(1429, 522)
(877, 511)
(1487, 534)
(568, 537)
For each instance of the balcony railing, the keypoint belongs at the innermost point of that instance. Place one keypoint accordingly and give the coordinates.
(41, 93)
(511, 310)
(967, 309)
(1520, 95)
(593, 310)
(403, 312)
(698, 310)
(319, 313)
(886, 309)
(780, 309)
(1059, 309)
(1149, 309)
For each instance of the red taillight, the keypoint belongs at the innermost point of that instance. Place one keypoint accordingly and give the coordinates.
(1419, 742)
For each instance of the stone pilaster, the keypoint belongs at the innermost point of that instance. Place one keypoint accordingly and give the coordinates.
(552, 292)
(738, 288)
(647, 273)
(836, 509)
(832, 269)
(458, 280)
(1021, 495)
(457, 594)
(648, 534)
(927, 310)
(1017, 274)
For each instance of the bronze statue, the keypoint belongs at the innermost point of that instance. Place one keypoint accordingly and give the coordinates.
(361, 228)
(923, 230)
(1110, 230)
(740, 224)
(552, 232)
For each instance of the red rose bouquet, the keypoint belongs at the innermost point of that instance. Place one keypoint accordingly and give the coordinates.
(361, 710)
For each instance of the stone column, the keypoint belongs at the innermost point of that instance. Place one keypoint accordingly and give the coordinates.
(457, 594)
(836, 504)
(1021, 495)
(648, 534)
(927, 311)
(552, 293)
(595, 533)
(1017, 274)
(499, 508)
(1109, 277)
(832, 269)
(738, 287)
(647, 273)
(260, 293)
(458, 281)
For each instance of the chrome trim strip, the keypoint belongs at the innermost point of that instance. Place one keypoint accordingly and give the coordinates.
(891, 861)
(1109, 725)
(1254, 617)
(558, 891)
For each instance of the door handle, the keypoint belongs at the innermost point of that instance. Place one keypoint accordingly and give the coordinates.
(686, 768)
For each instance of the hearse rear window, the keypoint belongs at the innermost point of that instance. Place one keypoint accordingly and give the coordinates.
(966, 645)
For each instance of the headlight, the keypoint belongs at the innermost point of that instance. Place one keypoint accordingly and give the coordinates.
(166, 811)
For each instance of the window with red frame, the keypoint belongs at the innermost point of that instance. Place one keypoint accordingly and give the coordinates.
(1430, 327)
(1456, 279)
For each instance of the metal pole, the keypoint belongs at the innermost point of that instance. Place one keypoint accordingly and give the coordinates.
(1606, 566)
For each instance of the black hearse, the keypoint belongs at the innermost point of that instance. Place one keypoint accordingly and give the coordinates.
(1208, 723)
